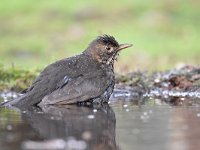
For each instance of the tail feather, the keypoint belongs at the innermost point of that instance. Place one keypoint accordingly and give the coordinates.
(11, 103)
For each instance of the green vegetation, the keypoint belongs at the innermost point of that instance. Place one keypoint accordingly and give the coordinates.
(16, 79)
(36, 33)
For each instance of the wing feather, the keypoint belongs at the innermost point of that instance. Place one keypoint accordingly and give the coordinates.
(80, 89)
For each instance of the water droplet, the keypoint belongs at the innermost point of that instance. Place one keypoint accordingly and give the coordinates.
(125, 105)
(145, 113)
(14, 96)
(127, 110)
(87, 135)
(91, 116)
(198, 114)
(142, 117)
(24, 112)
(157, 80)
(94, 110)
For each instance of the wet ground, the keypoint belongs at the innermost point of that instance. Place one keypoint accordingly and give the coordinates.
(156, 111)
(127, 123)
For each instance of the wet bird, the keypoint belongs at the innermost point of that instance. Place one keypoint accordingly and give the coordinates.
(88, 77)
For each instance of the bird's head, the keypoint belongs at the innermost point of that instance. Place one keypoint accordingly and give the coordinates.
(105, 49)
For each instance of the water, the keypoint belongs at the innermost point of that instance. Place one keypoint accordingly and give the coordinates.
(127, 123)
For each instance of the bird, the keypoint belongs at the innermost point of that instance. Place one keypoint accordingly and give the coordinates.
(87, 77)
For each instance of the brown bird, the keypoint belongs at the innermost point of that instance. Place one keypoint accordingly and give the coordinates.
(88, 77)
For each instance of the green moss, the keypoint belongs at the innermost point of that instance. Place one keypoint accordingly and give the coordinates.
(16, 79)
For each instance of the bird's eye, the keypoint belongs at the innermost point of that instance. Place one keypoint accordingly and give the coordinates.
(108, 48)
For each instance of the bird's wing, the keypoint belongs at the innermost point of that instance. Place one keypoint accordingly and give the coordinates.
(54, 76)
(63, 82)
(79, 89)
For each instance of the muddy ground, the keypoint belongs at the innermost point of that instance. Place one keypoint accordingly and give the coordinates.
(177, 86)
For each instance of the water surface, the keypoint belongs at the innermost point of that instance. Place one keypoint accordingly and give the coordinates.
(124, 124)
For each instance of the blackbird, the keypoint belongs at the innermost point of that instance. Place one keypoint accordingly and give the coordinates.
(88, 77)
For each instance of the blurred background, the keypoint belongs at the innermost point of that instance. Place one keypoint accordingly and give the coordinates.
(35, 33)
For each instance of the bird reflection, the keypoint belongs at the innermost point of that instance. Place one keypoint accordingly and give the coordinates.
(94, 125)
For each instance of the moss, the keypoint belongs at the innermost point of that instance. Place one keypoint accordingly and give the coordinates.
(16, 79)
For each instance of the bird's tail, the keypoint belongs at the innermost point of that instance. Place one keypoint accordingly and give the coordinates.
(11, 102)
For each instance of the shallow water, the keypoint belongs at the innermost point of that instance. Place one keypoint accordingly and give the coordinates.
(127, 123)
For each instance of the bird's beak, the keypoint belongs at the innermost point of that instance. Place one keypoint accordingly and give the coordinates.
(123, 46)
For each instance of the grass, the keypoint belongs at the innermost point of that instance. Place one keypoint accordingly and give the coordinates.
(36, 33)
